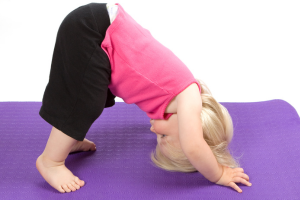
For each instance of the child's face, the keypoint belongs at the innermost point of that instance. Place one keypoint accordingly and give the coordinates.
(166, 130)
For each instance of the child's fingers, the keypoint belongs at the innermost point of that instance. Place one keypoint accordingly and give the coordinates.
(239, 169)
(241, 180)
(234, 186)
(242, 175)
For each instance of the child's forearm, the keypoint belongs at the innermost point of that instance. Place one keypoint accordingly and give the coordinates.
(205, 162)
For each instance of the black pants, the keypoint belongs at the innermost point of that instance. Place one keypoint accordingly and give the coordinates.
(77, 91)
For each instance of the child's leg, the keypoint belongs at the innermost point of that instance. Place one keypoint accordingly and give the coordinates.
(51, 163)
(77, 91)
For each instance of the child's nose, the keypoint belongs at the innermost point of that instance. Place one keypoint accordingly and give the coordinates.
(152, 129)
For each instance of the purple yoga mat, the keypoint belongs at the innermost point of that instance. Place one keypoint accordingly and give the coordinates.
(266, 135)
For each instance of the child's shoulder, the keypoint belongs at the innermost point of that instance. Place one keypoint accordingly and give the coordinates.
(189, 92)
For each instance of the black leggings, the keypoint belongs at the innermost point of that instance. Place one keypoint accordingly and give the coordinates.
(77, 91)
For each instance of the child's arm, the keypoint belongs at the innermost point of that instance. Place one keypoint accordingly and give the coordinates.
(189, 105)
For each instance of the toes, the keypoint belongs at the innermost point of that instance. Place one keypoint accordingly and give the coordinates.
(75, 185)
(65, 187)
(60, 189)
(78, 181)
(71, 187)
(93, 146)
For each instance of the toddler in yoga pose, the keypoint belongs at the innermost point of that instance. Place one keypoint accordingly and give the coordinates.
(101, 52)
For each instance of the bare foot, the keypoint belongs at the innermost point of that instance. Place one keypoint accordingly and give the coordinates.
(84, 145)
(57, 175)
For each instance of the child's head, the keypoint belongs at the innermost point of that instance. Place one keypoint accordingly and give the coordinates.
(217, 132)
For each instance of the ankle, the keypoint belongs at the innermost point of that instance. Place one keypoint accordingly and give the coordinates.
(48, 162)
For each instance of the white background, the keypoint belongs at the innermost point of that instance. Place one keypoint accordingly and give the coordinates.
(245, 51)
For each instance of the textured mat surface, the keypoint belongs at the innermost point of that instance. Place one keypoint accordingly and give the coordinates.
(267, 136)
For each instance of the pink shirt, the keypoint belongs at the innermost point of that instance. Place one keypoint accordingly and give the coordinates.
(143, 71)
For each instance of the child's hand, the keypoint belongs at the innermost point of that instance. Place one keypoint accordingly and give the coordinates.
(230, 176)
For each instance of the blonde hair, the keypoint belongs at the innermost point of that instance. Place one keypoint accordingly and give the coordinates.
(217, 132)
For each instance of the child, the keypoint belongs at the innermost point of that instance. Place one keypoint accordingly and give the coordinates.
(101, 52)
